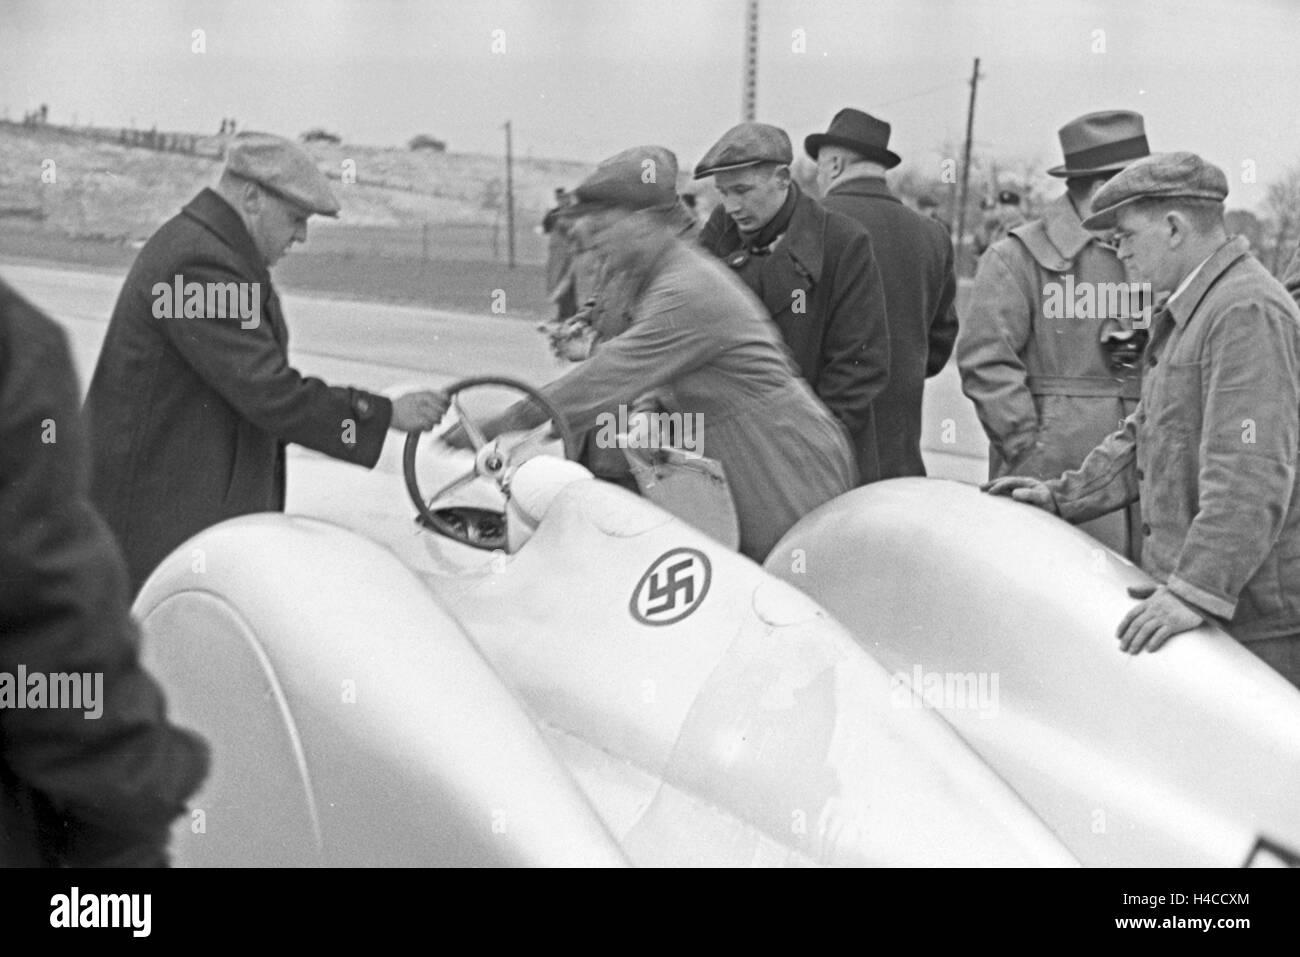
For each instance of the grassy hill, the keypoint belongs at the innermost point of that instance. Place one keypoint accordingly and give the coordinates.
(416, 227)
(104, 189)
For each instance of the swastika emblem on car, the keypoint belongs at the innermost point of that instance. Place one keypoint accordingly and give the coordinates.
(672, 588)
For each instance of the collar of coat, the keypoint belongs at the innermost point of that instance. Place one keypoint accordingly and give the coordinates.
(1063, 230)
(802, 241)
(873, 186)
(216, 215)
(1184, 304)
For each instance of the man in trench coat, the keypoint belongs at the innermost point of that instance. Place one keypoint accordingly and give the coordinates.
(193, 399)
(814, 271)
(915, 258)
(1046, 353)
(95, 782)
(700, 343)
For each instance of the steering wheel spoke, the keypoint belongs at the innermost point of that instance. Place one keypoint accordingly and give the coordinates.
(476, 437)
(533, 442)
(451, 486)
(529, 445)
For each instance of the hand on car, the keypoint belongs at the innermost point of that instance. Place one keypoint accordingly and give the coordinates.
(418, 411)
(1031, 491)
(1155, 620)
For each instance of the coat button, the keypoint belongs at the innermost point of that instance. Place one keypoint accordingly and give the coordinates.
(1146, 529)
(1141, 475)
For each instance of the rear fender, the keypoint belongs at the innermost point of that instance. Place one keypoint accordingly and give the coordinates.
(351, 720)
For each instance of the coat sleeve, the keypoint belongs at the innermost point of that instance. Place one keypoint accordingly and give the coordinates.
(943, 324)
(103, 790)
(1105, 481)
(855, 347)
(243, 362)
(665, 342)
(1250, 435)
(993, 338)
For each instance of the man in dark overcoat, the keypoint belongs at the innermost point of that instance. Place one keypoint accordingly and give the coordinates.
(193, 399)
(813, 270)
(915, 258)
(94, 774)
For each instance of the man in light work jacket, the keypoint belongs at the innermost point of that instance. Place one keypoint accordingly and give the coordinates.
(193, 398)
(813, 270)
(1212, 449)
(915, 258)
(1045, 352)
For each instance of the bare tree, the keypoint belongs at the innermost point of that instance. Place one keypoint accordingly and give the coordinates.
(1282, 218)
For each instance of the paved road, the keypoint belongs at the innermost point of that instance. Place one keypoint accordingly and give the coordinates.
(379, 346)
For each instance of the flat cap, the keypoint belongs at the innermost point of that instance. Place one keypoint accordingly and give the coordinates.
(642, 177)
(282, 167)
(1158, 176)
(747, 144)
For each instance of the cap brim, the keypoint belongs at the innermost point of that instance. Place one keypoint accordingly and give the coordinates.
(581, 208)
(713, 170)
(1107, 218)
(813, 145)
(294, 201)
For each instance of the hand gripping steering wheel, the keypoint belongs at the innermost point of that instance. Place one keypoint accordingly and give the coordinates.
(490, 459)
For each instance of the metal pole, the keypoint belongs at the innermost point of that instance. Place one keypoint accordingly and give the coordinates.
(965, 162)
(749, 96)
(510, 200)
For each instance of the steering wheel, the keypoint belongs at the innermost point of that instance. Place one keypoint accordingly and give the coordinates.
(490, 461)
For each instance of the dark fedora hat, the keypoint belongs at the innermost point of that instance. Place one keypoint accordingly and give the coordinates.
(857, 131)
(1101, 143)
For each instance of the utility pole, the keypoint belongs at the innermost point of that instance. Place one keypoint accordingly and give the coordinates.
(965, 162)
(749, 96)
(510, 200)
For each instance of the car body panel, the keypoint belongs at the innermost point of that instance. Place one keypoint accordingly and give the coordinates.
(1180, 757)
(751, 731)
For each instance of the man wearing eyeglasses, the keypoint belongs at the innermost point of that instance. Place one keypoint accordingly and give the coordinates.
(1212, 448)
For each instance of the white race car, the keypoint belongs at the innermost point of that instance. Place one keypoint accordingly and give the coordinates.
(546, 669)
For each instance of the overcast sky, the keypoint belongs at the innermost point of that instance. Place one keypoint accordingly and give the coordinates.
(585, 78)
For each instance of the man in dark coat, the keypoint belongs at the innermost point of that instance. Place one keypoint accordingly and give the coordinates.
(95, 782)
(193, 399)
(813, 270)
(915, 258)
